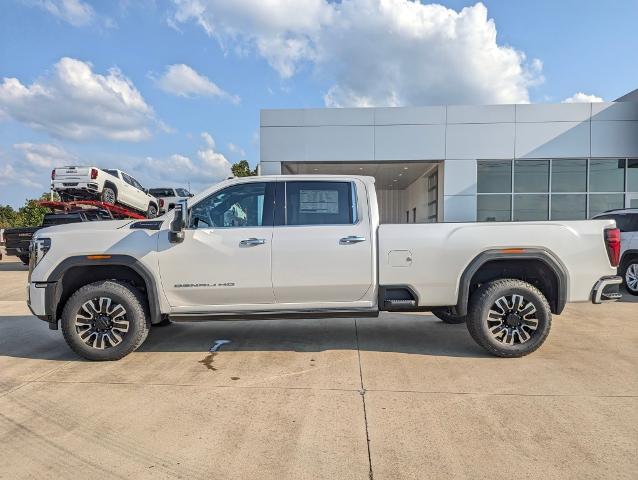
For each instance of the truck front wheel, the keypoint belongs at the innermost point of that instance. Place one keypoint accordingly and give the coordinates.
(105, 320)
(509, 317)
(446, 316)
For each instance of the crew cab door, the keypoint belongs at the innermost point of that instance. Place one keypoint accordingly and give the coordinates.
(226, 253)
(322, 243)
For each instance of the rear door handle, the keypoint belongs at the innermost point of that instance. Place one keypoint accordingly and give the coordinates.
(251, 242)
(351, 239)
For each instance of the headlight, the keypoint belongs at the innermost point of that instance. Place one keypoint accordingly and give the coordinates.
(39, 248)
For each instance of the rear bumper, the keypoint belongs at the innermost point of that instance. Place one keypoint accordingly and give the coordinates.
(606, 290)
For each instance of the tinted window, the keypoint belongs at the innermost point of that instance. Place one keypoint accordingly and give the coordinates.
(111, 172)
(161, 192)
(494, 208)
(531, 176)
(182, 192)
(626, 223)
(319, 203)
(531, 207)
(599, 203)
(237, 206)
(569, 207)
(494, 176)
(569, 175)
(632, 175)
(606, 175)
(127, 179)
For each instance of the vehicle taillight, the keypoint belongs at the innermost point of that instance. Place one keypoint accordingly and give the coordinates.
(53, 174)
(93, 173)
(161, 202)
(612, 241)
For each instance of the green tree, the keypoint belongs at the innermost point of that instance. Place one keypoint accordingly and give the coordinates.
(8, 217)
(242, 169)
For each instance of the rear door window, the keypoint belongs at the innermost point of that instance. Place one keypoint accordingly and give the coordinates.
(320, 203)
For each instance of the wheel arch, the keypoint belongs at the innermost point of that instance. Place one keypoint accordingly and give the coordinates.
(111, 185)
(534, 265)
(75, 272)
(629, 255)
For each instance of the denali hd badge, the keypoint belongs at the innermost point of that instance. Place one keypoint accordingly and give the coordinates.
(205, 285)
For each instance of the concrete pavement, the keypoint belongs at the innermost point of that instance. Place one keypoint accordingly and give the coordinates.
(401, 396)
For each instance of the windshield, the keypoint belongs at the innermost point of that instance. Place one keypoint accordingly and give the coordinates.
(182, 192)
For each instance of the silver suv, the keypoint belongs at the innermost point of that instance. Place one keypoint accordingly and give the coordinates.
(627, 222)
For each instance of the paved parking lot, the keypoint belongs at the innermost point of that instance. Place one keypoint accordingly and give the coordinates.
(401, 396)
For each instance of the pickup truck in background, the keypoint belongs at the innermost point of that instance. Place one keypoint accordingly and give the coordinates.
(311, 246)
(168, 197)
(17, 240)
(108, 185)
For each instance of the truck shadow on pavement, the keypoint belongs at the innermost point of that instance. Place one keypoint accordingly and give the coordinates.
(13, 267)
(418, 334)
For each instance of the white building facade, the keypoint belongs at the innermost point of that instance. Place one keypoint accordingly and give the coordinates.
(468, 163)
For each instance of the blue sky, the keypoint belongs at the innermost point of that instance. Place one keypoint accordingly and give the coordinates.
(171, 90)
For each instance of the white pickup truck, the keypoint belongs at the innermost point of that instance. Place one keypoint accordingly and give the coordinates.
(108, 185)
(308, 246)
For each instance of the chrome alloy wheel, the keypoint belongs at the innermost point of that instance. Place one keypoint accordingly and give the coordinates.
(101, 323)
(631, 277)
(109, 196)
(512, 319)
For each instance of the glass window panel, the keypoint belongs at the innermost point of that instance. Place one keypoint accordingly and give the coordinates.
(599, 203)
(606, 175)
(569, 207)
(494, 208)
(531, 176)
(531, 207)
(632, 175)
(235, 206)
(319, 203)
(494, 176)
(569, 175)
(633, 203)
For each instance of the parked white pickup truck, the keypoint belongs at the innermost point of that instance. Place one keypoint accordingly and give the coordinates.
(304, 246)
(108, 185)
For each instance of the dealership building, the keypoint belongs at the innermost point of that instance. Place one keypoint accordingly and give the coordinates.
(468, 163)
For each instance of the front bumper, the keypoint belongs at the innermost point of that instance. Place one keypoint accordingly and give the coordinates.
(607, 289)
(39, 301)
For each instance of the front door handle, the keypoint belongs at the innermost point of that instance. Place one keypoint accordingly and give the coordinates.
(251, 242)
(351, 239)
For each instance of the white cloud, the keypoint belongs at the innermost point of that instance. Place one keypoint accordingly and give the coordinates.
(236, 149)
(76, 103)
(581, 97)
(74, 12)
(208, 167)
(183, 81)
(29, 164)
(375, 52)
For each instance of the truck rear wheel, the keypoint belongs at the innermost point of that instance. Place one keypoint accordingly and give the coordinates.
(509, 318)
(105, 320)
(630, 275)
(109, 196)
(152, 211)
(446, 316)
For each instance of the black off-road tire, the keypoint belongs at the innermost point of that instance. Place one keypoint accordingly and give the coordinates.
(151, 212)
(446, 316)
(484, 299)
(109, 195)
(629, 266)
(136, 314)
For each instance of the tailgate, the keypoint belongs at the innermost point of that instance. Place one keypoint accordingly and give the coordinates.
(72, 174)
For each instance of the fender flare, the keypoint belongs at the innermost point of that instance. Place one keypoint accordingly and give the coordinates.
(55, 287)
(541, 254)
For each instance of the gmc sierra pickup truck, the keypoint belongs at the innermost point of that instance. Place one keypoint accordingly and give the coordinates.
(308, 246)
(108, 185)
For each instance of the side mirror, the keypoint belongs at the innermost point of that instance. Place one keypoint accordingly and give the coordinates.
(176, 232)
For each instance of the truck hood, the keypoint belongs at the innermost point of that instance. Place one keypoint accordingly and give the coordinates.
(95, 226)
